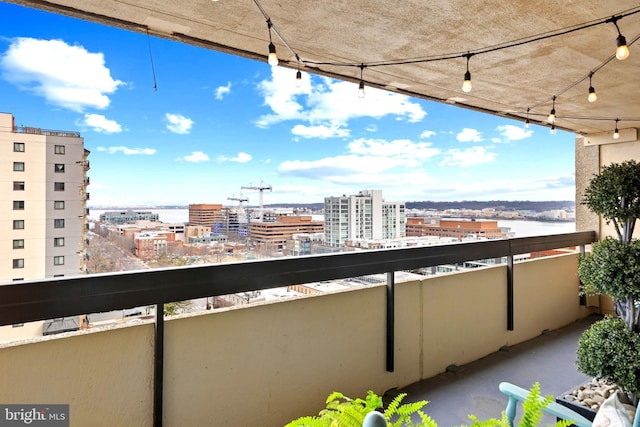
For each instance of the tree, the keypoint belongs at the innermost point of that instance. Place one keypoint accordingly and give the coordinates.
(613, 268)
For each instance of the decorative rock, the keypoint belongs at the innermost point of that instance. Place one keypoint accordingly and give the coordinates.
(593, 393)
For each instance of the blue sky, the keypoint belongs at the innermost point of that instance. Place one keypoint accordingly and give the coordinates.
(218, 122)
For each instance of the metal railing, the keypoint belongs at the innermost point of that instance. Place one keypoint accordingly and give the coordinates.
(62, 297)
(48, 132)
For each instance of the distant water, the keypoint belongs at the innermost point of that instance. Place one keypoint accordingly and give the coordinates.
(537, 228)
(520, 227)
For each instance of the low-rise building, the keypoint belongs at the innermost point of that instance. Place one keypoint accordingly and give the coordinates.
(274, 235)
(459, 229)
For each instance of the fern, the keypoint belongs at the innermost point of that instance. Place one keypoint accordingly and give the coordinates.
(342, 411)
(533, 406)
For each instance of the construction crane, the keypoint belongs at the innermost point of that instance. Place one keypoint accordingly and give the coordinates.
(259, 188)
(238, 199)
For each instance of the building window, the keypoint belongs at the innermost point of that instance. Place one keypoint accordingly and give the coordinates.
(58, 260)
(58, 223)
(17, 325)
(59, 168)
(58, 149)
(58, 241)
(18, 166)
(18, 244)
(18, 205)
(18, 147)
(18, 224)
(18, 185)
(18, 263)
(58, 204)
(58, 186)
(17, 279)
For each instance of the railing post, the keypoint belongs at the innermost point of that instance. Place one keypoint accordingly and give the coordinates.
(391, 285)
(583, 298)
(510, 289)
(158, 366)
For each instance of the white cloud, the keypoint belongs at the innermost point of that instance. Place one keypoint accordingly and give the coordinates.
(329, 102)
(371, 128)
(514, 133)
(320, 131)
(65, 75)
(239, 158)
(541, 188)
(427, 134)
(99, 123)
(195, 157)
(128, 151)
(399, 149)
(369, 162)
(469, 157)
(221, 91)
(496, 140)
(469, 135)
(178, 123)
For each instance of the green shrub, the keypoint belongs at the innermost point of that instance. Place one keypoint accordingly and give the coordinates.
(609, 350)
(612, 268)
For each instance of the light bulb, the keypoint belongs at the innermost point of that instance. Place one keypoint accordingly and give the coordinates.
(552, 116)
(298, 78)
(361, 89)
(622, 51)
(273, 58)
(466, 85)
(553, 129)
(593, 97)
(526, 123)
(616, 134)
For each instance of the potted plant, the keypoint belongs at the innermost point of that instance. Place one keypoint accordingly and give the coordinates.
(610, 348)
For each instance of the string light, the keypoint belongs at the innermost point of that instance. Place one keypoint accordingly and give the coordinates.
(553, 129)
(552, 113)
(592, 92)
(616, 133)
(622, 50)
(298, 73)
(273, 57)
(466, 85)
(361, 85)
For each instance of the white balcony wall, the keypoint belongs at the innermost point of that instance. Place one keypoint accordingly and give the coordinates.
(268, 364)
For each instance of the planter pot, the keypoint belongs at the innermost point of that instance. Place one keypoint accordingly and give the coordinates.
(588, 413)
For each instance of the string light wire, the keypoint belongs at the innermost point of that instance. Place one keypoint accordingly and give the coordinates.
(488, 49)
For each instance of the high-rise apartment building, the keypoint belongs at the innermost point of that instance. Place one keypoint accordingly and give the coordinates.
(362, 216)
(43, 176)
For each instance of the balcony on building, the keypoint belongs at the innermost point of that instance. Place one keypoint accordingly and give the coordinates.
(268, 363)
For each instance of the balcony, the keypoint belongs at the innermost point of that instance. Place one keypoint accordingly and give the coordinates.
(266, 364)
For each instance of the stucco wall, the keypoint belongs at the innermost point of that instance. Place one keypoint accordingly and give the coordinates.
(268, 364)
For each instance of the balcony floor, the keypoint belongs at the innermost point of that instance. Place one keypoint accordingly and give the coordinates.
(473, 388)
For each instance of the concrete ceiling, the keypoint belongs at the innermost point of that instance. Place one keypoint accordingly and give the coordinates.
(505, 82)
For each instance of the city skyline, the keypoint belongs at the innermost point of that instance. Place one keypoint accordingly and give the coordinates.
(218, 122)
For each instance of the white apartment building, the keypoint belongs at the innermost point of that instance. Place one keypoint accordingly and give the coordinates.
(362, 216)
(43, 176)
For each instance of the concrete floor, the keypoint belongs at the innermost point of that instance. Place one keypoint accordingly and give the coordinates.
(473, 389)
